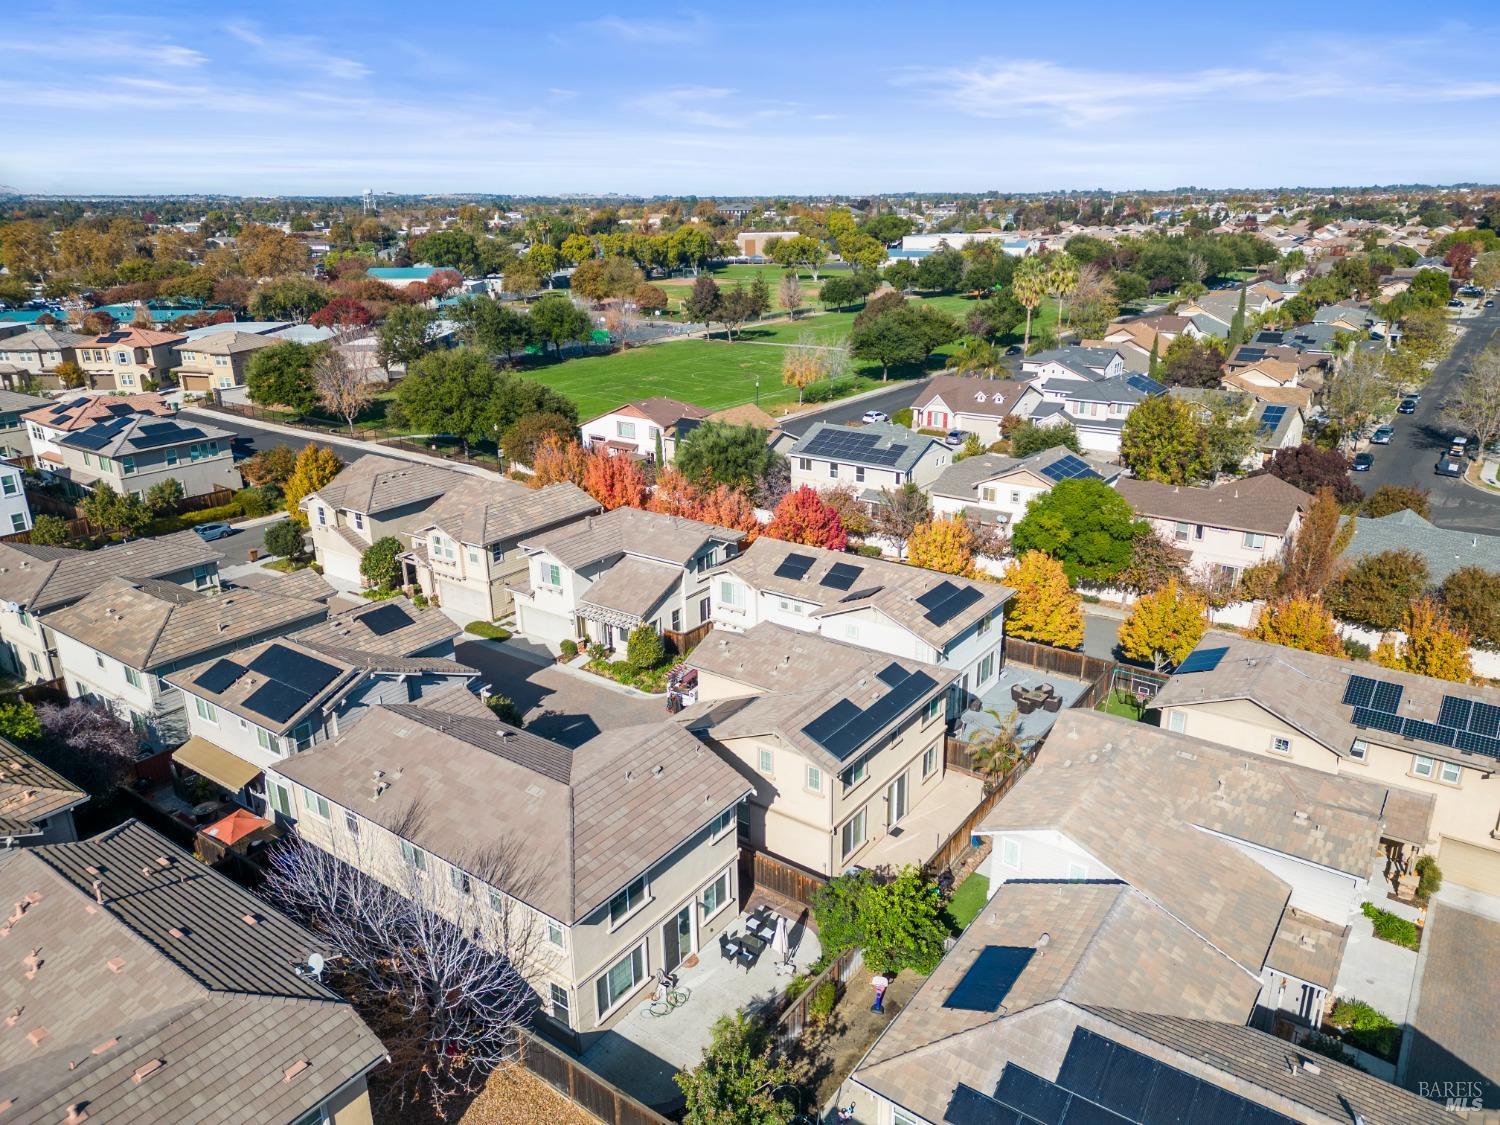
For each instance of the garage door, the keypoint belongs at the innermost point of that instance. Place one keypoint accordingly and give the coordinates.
(465, 601)
(1470, 865)
(336, 564)
(540, 626)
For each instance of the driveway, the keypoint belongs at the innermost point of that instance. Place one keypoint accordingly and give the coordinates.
(554, 702)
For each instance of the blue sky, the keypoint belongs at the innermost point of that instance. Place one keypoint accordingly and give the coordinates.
(329, 97)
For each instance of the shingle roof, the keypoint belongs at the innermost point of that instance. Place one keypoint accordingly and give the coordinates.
(594, 817)
(913, 446)
(1082, 361)
(88, 410)
(482, 511)
(44, 578)
(673, 539)
(167, 970)
(228, 342)
(664, 412)
(1309, 948)
(961, 480)
(971, 394)
(42, 340)
(140, 433)
(1442, 550)
(373, 484)
(30, 792)
(1263, 504)
(13, 401)
(891, 588)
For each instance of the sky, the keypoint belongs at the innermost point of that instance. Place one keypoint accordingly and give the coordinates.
(798, 99)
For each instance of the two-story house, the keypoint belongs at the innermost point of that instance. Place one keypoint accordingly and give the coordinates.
(904, 611)
(116, 645)
(31, 359)
(35, 581)
(649, 429)
(36, 802)
(1074, 362)
(976, 405)
(15, 439)
(867, 458)
(15, 513)
(602, 864)
(133, 452)
(466, 547)
(1095, 408)
(1226, 527)
(217, 361)
(1137, 338)
(249, 710)
(1436, 738)
(50, 422)
(159, 990)
(842, 744)
(370, 498)
(601, 577)
(993, 488)
(129, 359)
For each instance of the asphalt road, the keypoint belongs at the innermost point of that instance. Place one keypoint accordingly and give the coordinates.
(1411, 457)
(899, 396)
(250, 438)
(236, 548)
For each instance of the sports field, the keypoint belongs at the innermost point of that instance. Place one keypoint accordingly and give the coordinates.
(678, 288)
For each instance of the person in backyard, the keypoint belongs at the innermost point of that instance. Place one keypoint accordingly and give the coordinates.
(881, 983)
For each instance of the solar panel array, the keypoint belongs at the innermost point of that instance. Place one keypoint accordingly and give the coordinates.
(1377, 695)
(386, 619)
(1204, 660)
(851, 445)
(1069, 467)
(992, 975)
(841, 576)
(220, 675)
(1462, 724)
(795, 567)
(845, 727)
(1270, 418)
(293, 680)
(1144, 385)
(945, 601)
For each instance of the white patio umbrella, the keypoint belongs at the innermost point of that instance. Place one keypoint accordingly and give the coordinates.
(779, 938)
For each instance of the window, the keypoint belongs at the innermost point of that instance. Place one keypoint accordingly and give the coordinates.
(984, 625)
(351, 822)
(814, 779)
(1010, 852)
(900, 1117)
(621, 979)
(1077, 871)
(986, 667)
(1359, 750)
(497, 553)
(1015, 496)
(677, 621)
(1450, 772)
(8, 484)
(203, 575)
(930, 760)
(851, 630)
(716, 894)
(731, 594)
(721, 824)
(127, 464)
(459, 880)
(313, 802)
(552, 574)
(1177, 722)
(987, 495)
(855, 774)
(852, 835)
(1281, 745)
(1254, 540)
(1184, 532)
(859, 473)
(359, 521)
(172, 460)
(766, 761)
(473, 557)
(414, 856)
(702, 611)
(281, 799)
(625, 430)
(206, 710)
(805, 464)
(17, 522)
(1421, 766)
(132, 677)
(555, 933)
(559, 998)
(833, 469)
(25, 618)
(934, 705)
(627, 901)
(1198, 531)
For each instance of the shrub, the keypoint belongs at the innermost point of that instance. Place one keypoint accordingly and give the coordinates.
(1356, 650)
(1429, 877)
(505, 709)
(1365, 1028)
(258, 501)
(798, 985)
(1331, 1048)
(19, 723)
(902, 417)
(488, 630)
(419, 600)
(898, 923)
(824, 997)
(284, 539)
(644, 650)
(380, 564)
(569, 649)
(826, 390)
(1392, 927)
(50, 531)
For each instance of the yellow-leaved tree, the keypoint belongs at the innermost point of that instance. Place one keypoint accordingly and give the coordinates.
(1432, 646)
(1045, 607)
(1299, 622)
(315, 467)
(945, 544)
(1165, 625)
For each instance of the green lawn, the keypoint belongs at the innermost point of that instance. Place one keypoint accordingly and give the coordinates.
(967, 901)
(1124, 704)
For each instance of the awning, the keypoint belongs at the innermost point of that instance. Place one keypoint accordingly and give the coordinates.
(202, 756)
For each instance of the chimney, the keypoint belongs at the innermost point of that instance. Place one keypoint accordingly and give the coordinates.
(145, 1070)
(115, 964)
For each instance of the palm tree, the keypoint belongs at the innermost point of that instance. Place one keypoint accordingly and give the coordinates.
(1062, 277)
(974, 353)
(1029, 285)
(996, 752)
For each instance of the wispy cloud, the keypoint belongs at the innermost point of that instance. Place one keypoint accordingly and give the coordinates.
(120, 49)
(690, 105)
(296, 52)
(691, 28)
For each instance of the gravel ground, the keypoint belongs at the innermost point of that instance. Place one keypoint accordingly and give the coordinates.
(513, 1096)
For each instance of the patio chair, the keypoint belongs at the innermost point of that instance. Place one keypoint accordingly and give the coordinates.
(1053, 704)
(1025, 706)
(1016, 691)
(727, 949)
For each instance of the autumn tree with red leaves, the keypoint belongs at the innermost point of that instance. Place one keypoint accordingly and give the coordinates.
(616, 482)
(558, 460)
(803, 517)
(340, 312)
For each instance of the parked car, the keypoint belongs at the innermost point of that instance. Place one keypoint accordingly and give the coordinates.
(1450, 467)
(1383, 435)
(1362, 462)
(1408, 406)
(208, 532)
(1490, 303)
(1014, 349)
(876, 416)
(1455, 304)
(956, 438)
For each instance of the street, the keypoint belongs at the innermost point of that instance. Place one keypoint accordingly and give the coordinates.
(1421, 437)
(898, 397)
(236, 548)
(251, 438)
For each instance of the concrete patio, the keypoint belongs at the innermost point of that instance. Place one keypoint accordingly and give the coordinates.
(1375, 971)
(641, 1053)
(997, 698)
(924, 829)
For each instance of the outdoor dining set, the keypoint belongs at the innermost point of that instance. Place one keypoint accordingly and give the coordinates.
(764, 929)
(1028, 700)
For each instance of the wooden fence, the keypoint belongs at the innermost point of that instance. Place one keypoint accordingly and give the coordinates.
(758, 871)
(791, 1022)
(81, 527)
(684, 642)
(957, 845)
(582, 1086)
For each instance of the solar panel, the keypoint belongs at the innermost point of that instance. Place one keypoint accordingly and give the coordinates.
(1378, 720)
(290, 667)
(1455, 712)
(992, 975)
(841, 576)
(1428, 732)
(795, 567)
(1358, 691)
(1145, 385)
(1204, 660)
(828, 728)
(1387, 696)
(220, 675)
(936, 596)
(1485, 720)
(844, 728)
(277, 701)
(1068, 467)
(1270, 418)
(891, 675)
(386, 619)
(945, 601)
(1032, 1095)
(1476, 743)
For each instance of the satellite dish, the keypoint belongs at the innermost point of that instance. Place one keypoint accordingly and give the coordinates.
(315, 963)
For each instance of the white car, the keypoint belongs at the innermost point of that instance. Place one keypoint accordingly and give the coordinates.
(876, 416)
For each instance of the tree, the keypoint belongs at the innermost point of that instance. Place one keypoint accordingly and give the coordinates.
(722, 453)
(557, 459)
(342, 312)
(163, 497)
(315, 467)
(804, 363)
(945, 544)
(19, 722)
(650, 298)
(282, 375)
(1470, 596)
(741, 304)
(1431, 645)
(789, 292)
(878, 306)
(1355, 393)
(88, 745)
(344, 380)
(1230, 433)
(1029, 438)
(896, 922)
(50, 531)
(846, 289)
(1375, 590)
(644, 649)
(693, 245)
(287, 540)
(288, 298)
(1046, 608)
(800, 252)
(701, 305)
(737, 1080)
(1391, 498)
(1311, 469)
(902, 336)
(1475, 405)
(1164, 626)
(1029, 284)
(484, 323)
(1299, 622)
(1237, 325)
(1162, 441)
(616, 482)
(403, 336)
(900, 512)
(1192, 363)
(731, 508)
(380, 564)
(1153, 563)
(1000, 315)
(519, 443)
(123, 513)
(996, 751)
(556, 320)
(803, 517)
(598, 278)
(70, 375)
(1316, 547)
(1085, 525)
(271, 466)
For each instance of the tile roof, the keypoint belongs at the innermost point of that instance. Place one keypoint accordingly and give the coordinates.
(30, 792)
(1309, 948)
(972, 394)
(1306, 689)
(229, 342)
(43, 340)
(633, 586)
(88, 410)
(141, 433)
(133, 337)
(673, 539)
(594, 817)
(1264, 504)
(481, 511)
(13, 401)
(373, 484)
(392, 628)
(889, 437)
(149, 624)
(1454, 1032)
(45, 578)
(890, 588)
(961, 480)
(1442, 550)
(664, 412)
(164, 969)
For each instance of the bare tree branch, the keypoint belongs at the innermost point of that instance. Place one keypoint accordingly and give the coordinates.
(346, 377)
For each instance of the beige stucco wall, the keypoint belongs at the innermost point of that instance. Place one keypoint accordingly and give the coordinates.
(351, 1105)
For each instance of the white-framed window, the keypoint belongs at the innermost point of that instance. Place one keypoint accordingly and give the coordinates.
(322, 516)
(987, 495)
(621, 980)
(986, 667)
(280, 798)
(551, 574)
(1281, 745)
(855, 774)
(359, 521)
(731, 594)
(206, 710)
(984, 625)
(833, 469)
(351, 822)
(814, 779)
(852, 834)
(17, 522)
(1254, 540)
(414, 856)
(263, 738)
(1422, 767)
(473, 556)
(851, 630)
(9, 484)
(559, 998)
(721, 824)
(132, 677)
(765, 760)
(127, 464)
(627, 901)
(459, 880)
(555, 933)
(1077, 871)
(171, 459)
(1450, 772)
(625, 430)
(859, 473)
(1177, 722)
(1010, 852)
(1359, 750)
(805, 464)
(1015, 496)
(930, 760)
(901, 1117)
(315, 803)
(1184, 532)
(934, 706)
(716, 895)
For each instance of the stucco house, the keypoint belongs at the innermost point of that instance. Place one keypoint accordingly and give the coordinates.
(370, 498)
(994, 488)
(649, 429)
(30, 359)
(36, 802)
(129, 359)
(867, 458)
(967, 402)
(218, 361)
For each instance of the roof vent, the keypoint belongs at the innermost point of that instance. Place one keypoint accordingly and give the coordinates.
(108, 1044)
(1310, 1067)
(380, 787)
(33, 962)
(249, 919)
(115, 964)
(1300, 815)
(146, 1070)
(656, 771)
(295, 1069)
(36, 1035)
(174, 932)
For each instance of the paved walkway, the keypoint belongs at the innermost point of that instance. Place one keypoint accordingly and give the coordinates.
(1375, 971)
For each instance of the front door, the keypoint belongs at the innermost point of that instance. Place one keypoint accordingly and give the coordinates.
(895, 800)
(677, 939)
